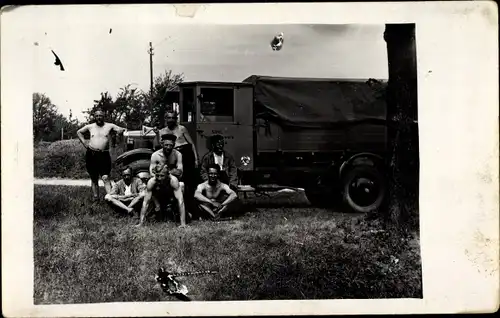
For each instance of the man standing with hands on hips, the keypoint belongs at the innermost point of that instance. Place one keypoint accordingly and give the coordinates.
(98, 158)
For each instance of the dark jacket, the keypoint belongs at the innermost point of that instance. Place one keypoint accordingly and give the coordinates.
(229, 173)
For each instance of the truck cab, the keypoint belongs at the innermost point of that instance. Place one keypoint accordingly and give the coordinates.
(220, 108)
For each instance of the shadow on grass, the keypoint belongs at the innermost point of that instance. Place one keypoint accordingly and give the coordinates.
(84, 256)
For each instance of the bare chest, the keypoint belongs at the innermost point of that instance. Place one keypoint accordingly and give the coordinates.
(100, 132)
(212, 192)
(177, 131)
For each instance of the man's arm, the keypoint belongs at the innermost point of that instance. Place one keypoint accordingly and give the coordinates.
(154, 162)
(80, 133)
(186, 134)
(180, 199)
(177, 172)
(204, 167)
(232, 195)
(232, 172)
(148, 193)
(158, 133)
(115, 189)
(198, 195)
(119, 130)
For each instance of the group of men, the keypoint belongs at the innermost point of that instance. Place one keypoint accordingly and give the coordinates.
(178, 186)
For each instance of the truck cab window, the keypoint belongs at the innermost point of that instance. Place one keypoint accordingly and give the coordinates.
(188, 105)
(216, 105)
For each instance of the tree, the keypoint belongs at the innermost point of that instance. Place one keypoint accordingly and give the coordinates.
(48, 123)
(106, 104)
(402, 112)
(130, 108)
(44, 117)
(158, 100)
(133, 108)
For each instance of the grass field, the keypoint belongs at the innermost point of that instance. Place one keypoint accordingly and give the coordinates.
(280, 249)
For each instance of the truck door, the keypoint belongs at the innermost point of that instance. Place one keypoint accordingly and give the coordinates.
(187, 110)
(227, 110)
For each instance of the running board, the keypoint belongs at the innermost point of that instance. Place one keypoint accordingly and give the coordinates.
(268, 188)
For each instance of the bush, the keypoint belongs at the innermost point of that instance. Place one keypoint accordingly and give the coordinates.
(63, 159)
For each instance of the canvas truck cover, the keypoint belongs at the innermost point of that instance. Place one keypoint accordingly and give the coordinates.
(318, 103)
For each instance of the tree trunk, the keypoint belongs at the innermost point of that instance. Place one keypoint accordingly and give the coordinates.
(402, 111)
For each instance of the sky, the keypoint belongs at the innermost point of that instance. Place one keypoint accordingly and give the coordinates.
(97, 61)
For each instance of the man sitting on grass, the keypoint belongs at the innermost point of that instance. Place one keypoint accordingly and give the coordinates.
(128, 190)
(214, 197)
(165, 190)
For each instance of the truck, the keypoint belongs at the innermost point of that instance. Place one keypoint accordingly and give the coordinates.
(325, 136)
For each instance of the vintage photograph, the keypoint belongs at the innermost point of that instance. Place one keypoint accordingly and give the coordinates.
(204, 162)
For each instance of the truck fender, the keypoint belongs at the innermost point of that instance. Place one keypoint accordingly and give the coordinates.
(134, 155)
(372, 158)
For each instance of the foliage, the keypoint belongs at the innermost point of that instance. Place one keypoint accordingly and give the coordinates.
(48, 123)
(65, 159)
(133, 108)
(158, 100)
(85, 254)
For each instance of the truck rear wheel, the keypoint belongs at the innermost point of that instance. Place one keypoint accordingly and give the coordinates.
(364, 189)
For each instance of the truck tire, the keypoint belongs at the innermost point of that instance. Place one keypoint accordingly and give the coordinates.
(364, 189)
(139, 166)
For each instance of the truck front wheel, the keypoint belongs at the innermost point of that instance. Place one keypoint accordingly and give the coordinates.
(139, 166)
(364, 189)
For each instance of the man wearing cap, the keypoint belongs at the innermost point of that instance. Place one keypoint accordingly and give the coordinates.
(169, 157)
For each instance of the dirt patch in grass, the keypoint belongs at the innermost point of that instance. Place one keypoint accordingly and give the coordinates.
(88, 255)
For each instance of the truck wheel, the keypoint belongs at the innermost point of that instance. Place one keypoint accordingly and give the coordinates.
(139, 166)
(364, 189)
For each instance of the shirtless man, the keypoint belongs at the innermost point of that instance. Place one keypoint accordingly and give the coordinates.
(214, 197)
(185, 145)
(167, 156)
(97, 158)
(163, 186)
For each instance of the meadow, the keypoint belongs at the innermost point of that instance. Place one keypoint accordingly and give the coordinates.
(281, 248)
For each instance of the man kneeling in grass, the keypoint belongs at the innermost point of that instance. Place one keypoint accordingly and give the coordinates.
(214, 197)
(127, 192)
(164, 188)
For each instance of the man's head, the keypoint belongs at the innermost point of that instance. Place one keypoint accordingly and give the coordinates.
(127, 175)
(168, 142)
(213, 173)
(161, 173)
(99, 117)
(171, 117)
(217, 142)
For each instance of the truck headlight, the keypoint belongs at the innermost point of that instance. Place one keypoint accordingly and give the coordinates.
(245, 160)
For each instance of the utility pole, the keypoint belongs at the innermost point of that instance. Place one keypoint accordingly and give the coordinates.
(150, 52)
